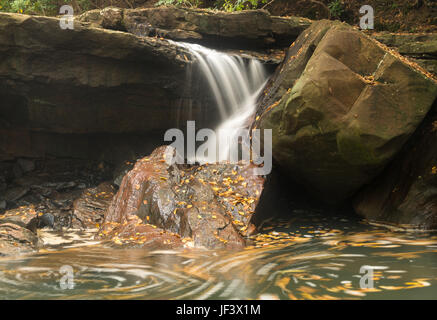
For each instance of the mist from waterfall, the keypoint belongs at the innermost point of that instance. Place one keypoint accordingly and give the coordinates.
(235, 84)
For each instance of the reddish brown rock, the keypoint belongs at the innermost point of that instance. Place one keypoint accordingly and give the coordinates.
(135, 234)
(209, 206)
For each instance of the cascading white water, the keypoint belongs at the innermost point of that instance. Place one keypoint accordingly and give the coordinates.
(235, 84)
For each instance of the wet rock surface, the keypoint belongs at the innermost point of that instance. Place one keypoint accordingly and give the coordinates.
(206, 206)
(15, 239)
(90, 207)
(56, 194)
(157, 206)
(341, 106)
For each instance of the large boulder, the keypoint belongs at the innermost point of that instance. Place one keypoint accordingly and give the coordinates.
(405, 194)
(209, 206)
(341, 106)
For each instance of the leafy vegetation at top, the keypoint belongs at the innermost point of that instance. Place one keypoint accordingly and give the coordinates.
(44, 7)
(226, 5)
(336, 8)
(51, 7)
(182, 3)
(238, 5)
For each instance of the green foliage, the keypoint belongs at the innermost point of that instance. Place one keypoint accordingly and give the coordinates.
(226, 5)
(336, 8)
(5, 5)
(51, 7)
(29, 6)
(179, 3)
(19, 5)
(43, 7)
(238, 5)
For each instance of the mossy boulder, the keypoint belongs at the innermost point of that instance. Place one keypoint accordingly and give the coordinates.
(341, 106)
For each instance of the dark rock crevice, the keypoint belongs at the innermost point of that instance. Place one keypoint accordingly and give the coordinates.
(405, 194)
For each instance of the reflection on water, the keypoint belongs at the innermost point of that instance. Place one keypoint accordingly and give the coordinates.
(310, 257)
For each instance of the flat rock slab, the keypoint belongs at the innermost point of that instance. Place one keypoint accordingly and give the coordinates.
(237, 30)
(420, 47)
(85, 80)
(410, 43)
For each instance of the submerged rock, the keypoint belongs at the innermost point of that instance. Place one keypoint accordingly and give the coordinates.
(208, 206)
(341, 106)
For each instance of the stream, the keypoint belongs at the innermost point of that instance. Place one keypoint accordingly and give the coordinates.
(310, 256)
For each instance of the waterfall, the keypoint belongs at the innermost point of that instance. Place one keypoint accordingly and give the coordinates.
(235, 84)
